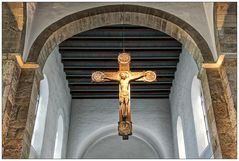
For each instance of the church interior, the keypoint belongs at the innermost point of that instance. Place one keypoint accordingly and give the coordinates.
(53, 107)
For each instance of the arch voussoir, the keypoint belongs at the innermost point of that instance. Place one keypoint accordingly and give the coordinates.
(118, 14)
(135, 19)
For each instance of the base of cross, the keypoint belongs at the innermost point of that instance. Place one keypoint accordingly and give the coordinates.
(125, 129)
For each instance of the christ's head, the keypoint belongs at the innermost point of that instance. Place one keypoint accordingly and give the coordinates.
(124, 75)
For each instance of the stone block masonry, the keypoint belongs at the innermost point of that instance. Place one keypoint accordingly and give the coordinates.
(224, 112)
(10, 77)
(15, 136)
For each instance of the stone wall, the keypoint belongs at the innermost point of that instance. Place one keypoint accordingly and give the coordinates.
(59, 102)
(20, 122)
(226, 25)
(13, 21)
(223, 81)
(226, 31)
(17, 135)
(89, 116)
(10, 75)
(230, 65)
(12, 34)
(224, 111)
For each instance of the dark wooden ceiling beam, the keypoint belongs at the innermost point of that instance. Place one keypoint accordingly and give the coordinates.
(104, 38)
(89, 72)
(77, 58)
(135, 48)
(115, 53)
(83, 80)
(73, 84)
(135, 68)
(117, 43)
(112, 96)
(114, 86)
(138, 90)
(98, 49)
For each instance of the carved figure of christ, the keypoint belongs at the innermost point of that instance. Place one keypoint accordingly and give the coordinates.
(124, 76)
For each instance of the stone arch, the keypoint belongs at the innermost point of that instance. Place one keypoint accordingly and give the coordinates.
(85, 20)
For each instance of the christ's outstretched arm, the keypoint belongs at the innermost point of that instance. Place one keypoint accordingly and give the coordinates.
(146, 76)
(111, 76)
(104, 76)
(136, 75)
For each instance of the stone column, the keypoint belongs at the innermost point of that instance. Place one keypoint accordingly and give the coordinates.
(22, 117)
(230, 75)
(10, 75)
(224, 112)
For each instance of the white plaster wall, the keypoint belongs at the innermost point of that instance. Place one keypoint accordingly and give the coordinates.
(208, 7)
(39, 127)
(199, 112)
(116, 148)
(31, 10)
(91, 115)
(193, 13)
(181, 104)
(59, 104)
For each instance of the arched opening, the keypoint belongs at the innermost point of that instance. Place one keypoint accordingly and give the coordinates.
(166, 23)
(153, 18)
(180, 138)
(48, 42)
(41, 111)
(59, 138)
(200, 119)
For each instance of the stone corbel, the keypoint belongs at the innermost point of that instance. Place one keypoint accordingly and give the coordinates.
(26, 65)
(214, 65)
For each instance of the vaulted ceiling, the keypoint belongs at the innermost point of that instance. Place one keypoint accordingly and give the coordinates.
(98, 49)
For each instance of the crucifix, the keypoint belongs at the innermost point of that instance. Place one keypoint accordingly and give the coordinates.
(124, 76)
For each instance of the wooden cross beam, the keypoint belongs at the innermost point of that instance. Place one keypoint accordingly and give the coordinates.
(124, 76)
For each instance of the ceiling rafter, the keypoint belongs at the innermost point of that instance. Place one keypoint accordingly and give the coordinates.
(97, 50)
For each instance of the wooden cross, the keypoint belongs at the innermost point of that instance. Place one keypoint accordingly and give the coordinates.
(124, 76)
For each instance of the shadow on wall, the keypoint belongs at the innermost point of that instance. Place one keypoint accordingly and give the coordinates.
(105, 143)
